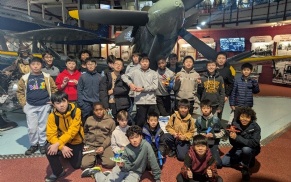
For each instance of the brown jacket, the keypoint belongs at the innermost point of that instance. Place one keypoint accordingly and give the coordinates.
(98, 131)
(182, 126)
(22, 86)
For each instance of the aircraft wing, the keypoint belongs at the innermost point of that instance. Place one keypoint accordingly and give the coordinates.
(265, 58)
(112, 16)
(63, 36)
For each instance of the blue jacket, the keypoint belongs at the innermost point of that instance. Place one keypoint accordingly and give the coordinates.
(154, 138)
(243, 90)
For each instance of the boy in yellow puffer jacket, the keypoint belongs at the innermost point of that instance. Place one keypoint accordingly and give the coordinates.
(64, 135)
(181, 128)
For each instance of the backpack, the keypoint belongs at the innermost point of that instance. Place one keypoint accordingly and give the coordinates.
(57, 120)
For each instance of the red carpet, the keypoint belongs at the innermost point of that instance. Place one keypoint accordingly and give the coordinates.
(273, 166)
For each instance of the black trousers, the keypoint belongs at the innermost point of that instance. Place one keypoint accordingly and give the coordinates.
(75, 160)
(164, 105)
(142, 112)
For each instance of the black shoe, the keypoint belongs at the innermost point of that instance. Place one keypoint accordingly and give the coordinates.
(42, 149)
(53, 178)
(245, 174)
(31, 150)
(90, 172)
(172, 153)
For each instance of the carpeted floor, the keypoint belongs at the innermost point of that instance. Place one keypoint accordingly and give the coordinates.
(273, 166)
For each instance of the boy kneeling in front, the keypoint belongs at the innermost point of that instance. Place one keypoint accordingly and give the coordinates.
(64, 135)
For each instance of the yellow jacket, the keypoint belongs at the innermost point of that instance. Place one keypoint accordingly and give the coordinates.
(69, 130)
(22, 87)
(180, 126)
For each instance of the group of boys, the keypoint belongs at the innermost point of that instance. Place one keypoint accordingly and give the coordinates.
(69, 128)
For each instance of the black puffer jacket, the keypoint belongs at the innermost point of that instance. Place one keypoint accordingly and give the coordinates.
(120, 92)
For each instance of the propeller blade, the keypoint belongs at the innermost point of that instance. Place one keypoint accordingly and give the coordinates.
(114, 17)
(199, 45)
(188, 4)
(190, 20)
(125, 37)
(240, 56)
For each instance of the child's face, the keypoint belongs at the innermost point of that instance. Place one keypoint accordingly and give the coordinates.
(244, 119)
(183, 110)
(122, 122)
(221, 59)
(144, 64)
(84, 56)
(188, 63)
(61, 106)
(162, 64)
(211, 67)
(48, 59)
(91, 66)
(35, 67)
(173, 60)
(135, 140)
(153, 122)
(206, 110)
(118, 66)
(135, 59)
(246, 72)
(71, 65)
(99, 111)
(200, 149)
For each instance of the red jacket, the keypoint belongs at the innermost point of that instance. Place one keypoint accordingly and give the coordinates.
(71, 87)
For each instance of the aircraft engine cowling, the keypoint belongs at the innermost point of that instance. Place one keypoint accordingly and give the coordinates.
(166, 18)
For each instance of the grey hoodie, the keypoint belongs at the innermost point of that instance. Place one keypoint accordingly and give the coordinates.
(119, 139)
(164, 75)
(146, 79)
(186, 87)
(137, 158)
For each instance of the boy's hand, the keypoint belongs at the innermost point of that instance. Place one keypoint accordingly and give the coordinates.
(177, 78)
(110, 92)
(209, 135)
(189, 173)
(75, 81)
(139, 89)
(132, 87)
(53, 149)
(175, 135)
(225, 99)
(121, 148)
(181, 137)
(198, 80)
(67, 152)
(232, 108)
(120, 164)
(209, 172)
(232, 135)
(100, 150)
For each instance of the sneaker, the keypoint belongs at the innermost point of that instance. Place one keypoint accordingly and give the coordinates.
(42, 149)
(90, 172)
(31, 150)
(53, 178)
(245, 174)
(172, 153)
(106, 173)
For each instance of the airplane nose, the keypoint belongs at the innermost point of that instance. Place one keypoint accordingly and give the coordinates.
(166, 17)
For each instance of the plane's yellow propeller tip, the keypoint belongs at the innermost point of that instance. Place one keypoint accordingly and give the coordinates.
(74, 14)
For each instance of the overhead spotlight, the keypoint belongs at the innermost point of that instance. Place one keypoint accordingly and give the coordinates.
(203, 23)
(199, 28)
